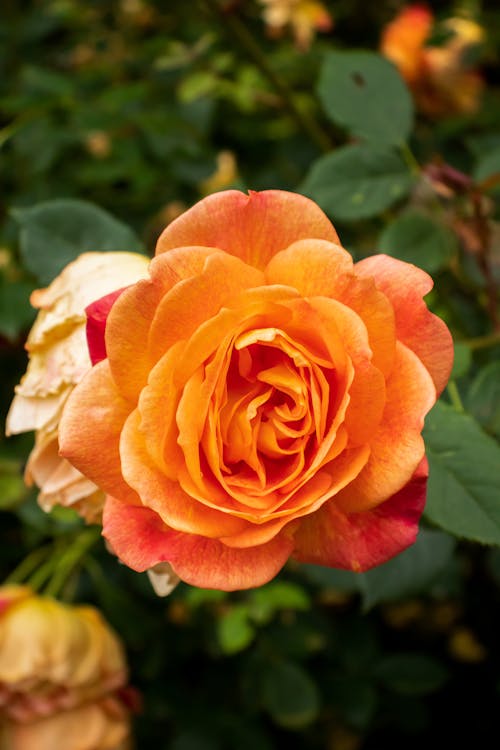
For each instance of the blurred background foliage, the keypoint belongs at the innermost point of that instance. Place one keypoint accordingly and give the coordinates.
(143, 107)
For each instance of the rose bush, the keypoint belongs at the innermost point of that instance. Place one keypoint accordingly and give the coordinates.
(63, 676)
(259, 397)
(58, 359)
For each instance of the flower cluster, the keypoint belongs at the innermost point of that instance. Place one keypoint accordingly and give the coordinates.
(63, 676)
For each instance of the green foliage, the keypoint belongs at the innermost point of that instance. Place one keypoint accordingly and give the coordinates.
(114, 119)
(350, 87)
(416, 238)
(358, 182)
(463, 483)
(56, 232)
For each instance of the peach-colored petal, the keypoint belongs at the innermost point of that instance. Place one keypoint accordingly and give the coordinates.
(141, 540)
(131, 316)
(420, 330)
(253, 227)
(188, 305)
(90, 428)
(359, 541)
(318, 268)
(175, 507)
(397, 446)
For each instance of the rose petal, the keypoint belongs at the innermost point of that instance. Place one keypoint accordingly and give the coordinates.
(253, 227)
(89, 432)
(140, 539)
(97, 314)
(317, 268)
(420, 330)
(131, 316)
(359, 541)
(397, 446)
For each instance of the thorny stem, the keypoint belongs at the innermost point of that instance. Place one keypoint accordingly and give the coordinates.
(240, 33)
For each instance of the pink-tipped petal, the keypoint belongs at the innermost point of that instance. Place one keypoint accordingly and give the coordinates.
(140, 539)
(360, 541)
(416, 327)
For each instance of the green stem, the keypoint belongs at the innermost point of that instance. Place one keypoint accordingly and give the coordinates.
(27, 566)
(483, 342)
(454, 396)
(410, 159)
(239, 32)
(70, 558)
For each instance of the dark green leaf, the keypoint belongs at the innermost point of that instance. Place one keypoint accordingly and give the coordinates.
(289, 695)
(56, 232)
(411, 674)
(463, 485)
(355, 698)
(487, 166)
(364, 93)
(409, 573)
(357, 182)
(416, 238)
(483, 398)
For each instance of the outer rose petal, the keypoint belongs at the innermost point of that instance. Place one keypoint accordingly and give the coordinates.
(141, 540)
(420, 330)
(359, 541)
(253, 227)
(90, 428)
(97, 314)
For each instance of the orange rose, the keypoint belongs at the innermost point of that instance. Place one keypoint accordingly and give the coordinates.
(58, 359)
(440, 77)
(63, 676)
(261, 397)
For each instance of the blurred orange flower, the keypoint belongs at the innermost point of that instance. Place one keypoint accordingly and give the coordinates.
(305, 17)
(63, 676)
(441, 77)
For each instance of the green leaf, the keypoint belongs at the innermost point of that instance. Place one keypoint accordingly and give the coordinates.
(234, 631)
(409, 573)
(487, 166)
(56, 232)
(357, 182)
(462, 493)
(416, 238)
(289, 695)
(483, 398)
(411, 674)
(355, 698)
(364, 93)
(264, 602)
(16, 313)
